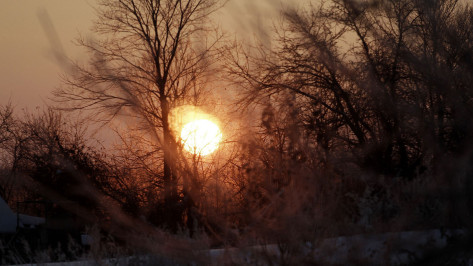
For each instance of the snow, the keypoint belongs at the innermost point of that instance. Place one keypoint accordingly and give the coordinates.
(388, 248)
(28, 221)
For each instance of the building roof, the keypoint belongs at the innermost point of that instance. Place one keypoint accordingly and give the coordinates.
(7, 218)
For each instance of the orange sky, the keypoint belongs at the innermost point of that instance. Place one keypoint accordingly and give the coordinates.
(28, 69)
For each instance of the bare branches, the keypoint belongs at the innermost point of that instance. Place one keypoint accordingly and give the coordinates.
(148, 50)
(357, 69)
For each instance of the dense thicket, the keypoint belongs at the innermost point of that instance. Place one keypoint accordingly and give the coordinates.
(379, 93)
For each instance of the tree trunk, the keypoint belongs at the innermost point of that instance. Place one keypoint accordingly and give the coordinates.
(171, 197)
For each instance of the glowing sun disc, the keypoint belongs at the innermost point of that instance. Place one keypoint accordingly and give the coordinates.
(201, 136)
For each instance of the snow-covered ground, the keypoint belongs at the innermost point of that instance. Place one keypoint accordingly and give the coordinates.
(386, 249)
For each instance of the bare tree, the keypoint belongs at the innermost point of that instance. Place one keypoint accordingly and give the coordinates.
(152, 56)
(368, 76)
(8, 128)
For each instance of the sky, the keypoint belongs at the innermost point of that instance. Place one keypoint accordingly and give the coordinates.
(29, 71)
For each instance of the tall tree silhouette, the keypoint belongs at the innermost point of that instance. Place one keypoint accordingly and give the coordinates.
(145, 63)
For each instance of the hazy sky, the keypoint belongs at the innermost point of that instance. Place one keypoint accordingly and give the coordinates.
(28, 69)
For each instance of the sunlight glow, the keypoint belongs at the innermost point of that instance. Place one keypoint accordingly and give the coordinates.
(201, 136)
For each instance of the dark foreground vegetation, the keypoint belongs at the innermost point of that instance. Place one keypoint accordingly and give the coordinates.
(356, 119)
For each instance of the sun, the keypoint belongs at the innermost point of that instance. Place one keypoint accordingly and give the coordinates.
(201, 136)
